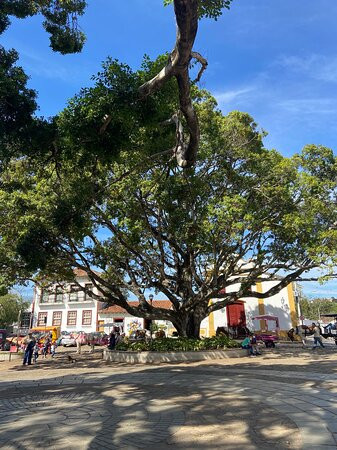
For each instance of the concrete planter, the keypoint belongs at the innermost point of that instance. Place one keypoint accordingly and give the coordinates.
(159, 357)
(10, 356)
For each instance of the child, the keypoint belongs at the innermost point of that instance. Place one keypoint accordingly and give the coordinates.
(36, 352)
(53, 349)
(45, 348)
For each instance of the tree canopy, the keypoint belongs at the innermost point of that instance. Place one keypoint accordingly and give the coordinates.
(313, 309)
(242, 214)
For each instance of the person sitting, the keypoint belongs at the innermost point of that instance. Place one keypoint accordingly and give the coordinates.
(245, 344)
(331, 326)
(253, 343)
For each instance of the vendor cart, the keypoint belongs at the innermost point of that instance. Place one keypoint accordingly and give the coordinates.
(268, 336)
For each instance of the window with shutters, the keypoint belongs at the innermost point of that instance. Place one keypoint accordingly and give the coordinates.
(42, 319)
(72, 318)
(57, 318)
(86, 317)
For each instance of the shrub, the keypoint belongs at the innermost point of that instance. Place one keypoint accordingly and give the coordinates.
(180, 344)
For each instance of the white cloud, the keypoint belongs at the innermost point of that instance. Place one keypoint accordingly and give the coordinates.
(319, 67)
(309, 106)
(233, 96)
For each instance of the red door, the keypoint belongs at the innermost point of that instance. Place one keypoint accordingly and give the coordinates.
(236, 315)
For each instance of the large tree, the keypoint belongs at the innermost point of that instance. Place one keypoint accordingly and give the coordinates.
(11, 305)
(201, 236)
(99, 186)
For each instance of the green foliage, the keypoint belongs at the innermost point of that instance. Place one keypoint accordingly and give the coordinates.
(116, 200)
(17, 105)
(61, 20)
(209, 8)
(131, 122)
(10, 307)
(176, 345)
(312, 309)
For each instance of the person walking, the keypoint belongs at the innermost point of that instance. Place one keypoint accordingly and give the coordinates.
(53, 349)
(317, 336)
(30, 344)
(301, 334)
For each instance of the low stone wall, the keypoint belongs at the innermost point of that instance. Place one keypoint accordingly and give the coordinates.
(10, 356)
(159, 357)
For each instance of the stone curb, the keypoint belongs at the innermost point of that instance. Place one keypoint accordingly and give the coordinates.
(159, 357)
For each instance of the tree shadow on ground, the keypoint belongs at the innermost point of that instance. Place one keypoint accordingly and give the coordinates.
(167, 406)
(150, 408)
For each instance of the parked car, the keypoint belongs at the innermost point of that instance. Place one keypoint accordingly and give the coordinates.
(68, 341)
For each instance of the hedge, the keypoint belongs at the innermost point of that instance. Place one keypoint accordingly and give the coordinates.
(179, 344)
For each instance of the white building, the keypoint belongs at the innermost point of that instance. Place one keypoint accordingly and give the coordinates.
(284, 305)
(71, 308)
(67, 305)
(116, 316)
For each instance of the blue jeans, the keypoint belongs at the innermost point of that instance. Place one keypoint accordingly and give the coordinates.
(317, 340)
(27, 359)
(248, 347)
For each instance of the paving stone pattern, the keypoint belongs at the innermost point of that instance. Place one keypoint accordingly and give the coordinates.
(173, 407)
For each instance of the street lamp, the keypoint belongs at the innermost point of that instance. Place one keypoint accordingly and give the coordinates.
(151, 300)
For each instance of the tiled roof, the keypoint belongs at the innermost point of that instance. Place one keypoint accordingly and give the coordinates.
(166, 304)
(83, 273)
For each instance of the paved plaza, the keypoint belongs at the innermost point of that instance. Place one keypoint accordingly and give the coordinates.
(282, 400)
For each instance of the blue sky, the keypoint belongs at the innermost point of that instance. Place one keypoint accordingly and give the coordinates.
(276, 59)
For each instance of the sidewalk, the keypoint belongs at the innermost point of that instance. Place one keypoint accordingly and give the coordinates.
(273, 402)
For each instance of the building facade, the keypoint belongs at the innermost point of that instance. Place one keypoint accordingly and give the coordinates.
(115, 316)
(67, 305)
(283, 305)
(241, 313)
(71, 308)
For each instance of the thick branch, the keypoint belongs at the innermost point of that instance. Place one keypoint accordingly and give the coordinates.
(186, 12)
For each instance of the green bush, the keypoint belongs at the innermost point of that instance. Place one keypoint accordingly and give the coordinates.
(180, 344)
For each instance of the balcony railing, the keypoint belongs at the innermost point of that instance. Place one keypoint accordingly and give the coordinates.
(52, 298)
(70, 297)
(79, 296)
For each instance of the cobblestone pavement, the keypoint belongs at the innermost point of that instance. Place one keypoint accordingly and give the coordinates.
(278, 401)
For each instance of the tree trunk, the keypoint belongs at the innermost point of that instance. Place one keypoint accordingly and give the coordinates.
(189, 325)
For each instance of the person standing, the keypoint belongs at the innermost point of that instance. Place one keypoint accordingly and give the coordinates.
(36, 352)
(91, 341)
(45, 347)
(30, 344)
(80, 339)
(112, 341)
(317, 336)
(291, 334)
